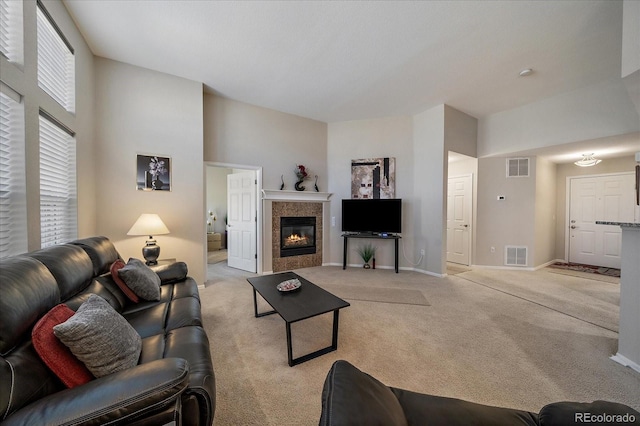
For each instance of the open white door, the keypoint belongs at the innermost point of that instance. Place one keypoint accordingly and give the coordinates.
(459, 205)
(242, 221)
(599, 198)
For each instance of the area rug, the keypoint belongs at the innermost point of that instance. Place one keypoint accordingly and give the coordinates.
(382, 295)
(611, 272)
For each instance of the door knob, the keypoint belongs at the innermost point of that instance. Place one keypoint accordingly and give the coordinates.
(573, 227)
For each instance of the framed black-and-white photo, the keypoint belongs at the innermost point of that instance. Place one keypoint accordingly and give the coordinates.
(153, 173)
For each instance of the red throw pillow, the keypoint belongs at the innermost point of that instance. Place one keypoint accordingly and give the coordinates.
(69, 369)
(115, 267)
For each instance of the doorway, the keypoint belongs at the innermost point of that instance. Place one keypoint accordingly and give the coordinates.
(243, 253)
(459, 216)
(598, 198)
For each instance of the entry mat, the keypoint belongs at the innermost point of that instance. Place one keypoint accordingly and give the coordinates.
(601, 270)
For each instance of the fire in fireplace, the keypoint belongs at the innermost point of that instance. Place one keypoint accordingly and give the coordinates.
(297, 236)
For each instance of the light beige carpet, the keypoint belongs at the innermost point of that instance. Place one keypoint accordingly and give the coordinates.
(216, 256)
(479, 340)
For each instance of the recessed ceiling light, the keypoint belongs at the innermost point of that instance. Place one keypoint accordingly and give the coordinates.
(526, 72)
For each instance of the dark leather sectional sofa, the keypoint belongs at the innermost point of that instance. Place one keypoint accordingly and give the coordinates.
(173, 382)
(351, 397)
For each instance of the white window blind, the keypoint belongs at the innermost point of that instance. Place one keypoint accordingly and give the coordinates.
(11, 30)
(58, 194)
(56, 62)
(13, 197)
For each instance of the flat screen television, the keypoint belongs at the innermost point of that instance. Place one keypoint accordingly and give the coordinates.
(377, 216)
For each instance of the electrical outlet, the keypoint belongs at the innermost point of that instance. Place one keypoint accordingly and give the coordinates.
(422, 252)
(493, 249)
(333, 221)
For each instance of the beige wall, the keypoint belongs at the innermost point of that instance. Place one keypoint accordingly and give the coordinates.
(545, 213)
(146, 112)
(242, 134)
(23, 79)
(236, 133)
(351, 140)
(460, 132)
(508, 222)
(564, 171)
(630, 37)
(216, 188)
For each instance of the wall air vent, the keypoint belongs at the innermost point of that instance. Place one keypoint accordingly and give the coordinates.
(517, 167)
(515, 256)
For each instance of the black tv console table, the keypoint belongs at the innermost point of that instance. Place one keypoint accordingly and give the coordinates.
(395, 238)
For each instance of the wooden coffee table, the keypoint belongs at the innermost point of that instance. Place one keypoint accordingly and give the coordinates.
(306, 302)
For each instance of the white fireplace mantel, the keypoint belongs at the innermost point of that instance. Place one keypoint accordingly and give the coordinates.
(301, 196)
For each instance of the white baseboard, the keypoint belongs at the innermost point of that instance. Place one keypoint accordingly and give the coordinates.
(621, 359)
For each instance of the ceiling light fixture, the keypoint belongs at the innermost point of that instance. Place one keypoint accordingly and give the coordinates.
(587, 161)
(526, 72)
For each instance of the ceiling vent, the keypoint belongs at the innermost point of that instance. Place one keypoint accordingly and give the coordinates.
(517, 167)
(515, 256)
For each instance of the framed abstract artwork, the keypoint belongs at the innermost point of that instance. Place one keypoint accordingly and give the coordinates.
(153, 173)
(373, 178)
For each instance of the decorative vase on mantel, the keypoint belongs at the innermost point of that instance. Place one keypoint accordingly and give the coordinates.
(301, 174)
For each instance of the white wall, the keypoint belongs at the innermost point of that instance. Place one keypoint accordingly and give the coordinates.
(429, 206)
(593, 112)
(139, 111)
(351, 140)
(23, 79)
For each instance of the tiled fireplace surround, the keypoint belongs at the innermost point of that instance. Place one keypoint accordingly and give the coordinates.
(295, 209)
(277, 203)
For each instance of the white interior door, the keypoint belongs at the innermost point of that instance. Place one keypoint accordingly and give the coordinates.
(599, 198)
(242, 221)
(459, 206)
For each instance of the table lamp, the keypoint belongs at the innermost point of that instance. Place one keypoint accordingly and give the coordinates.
(149, 224)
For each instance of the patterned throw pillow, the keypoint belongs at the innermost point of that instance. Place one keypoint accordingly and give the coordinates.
(141, 279)
(115, 267)
(100, 337)
(53, 353)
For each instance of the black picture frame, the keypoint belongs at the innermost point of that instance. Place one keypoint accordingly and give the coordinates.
(153, 173)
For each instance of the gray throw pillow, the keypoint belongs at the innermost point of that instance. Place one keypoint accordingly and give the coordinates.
(100, 337)
(141, 279)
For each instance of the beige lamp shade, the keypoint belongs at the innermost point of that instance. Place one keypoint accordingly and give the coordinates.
(148, 224)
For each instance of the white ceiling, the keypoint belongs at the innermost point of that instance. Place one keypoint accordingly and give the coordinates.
(348, 60)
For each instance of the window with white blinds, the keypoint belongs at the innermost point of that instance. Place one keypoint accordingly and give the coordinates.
(56, 62)
(13, 196)
(11, 30)
(58, 194)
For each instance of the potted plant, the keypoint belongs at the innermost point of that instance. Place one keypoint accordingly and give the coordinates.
(366, 252)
